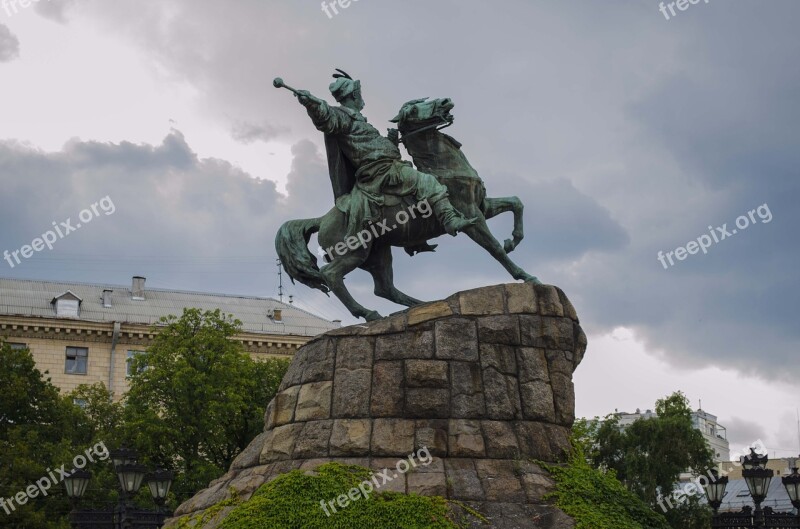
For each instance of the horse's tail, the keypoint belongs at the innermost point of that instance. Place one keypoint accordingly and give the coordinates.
(291, 243)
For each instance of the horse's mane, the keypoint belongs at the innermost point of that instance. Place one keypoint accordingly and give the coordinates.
(435, 152)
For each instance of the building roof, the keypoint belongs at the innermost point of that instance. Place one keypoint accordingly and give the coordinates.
(737, 496)
(20, 297)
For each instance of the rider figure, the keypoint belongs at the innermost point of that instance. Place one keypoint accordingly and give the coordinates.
(365, 163)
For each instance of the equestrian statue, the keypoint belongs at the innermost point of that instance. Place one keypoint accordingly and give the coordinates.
(382, 201)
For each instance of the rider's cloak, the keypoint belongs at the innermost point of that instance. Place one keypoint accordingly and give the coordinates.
(342, 172)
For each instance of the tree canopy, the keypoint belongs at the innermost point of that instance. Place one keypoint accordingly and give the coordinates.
(649, 455)
(38, 431)
(196, 399)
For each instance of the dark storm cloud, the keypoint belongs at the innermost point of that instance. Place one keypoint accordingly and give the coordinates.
(742, 432)
(9, 44)
(308, 183)
(54, 10)
(622, 132)
(178, 219)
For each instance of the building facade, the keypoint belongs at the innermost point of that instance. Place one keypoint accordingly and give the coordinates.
(781, 466)
(87, 333)
(715, 434)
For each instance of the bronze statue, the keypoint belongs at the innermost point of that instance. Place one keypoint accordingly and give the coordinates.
(378, 196)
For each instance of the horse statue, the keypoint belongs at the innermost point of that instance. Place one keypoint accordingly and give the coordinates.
(419, 123)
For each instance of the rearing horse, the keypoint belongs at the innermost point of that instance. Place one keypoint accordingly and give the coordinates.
(433, 152)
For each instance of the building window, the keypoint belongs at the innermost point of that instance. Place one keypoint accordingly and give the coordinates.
(77, 360)
(67, 308)
(128, 366)
(81, 403)
(17, 346)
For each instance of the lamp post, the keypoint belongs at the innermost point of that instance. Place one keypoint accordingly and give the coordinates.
(758, 479)
(130, 480)
(715, 490)
(792, 484)
(125, 515)
(76, 484)
(159, 482)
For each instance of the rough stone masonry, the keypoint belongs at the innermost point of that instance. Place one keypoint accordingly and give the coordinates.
(482, 378)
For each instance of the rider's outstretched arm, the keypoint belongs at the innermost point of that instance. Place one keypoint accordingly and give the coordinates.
(326, 119)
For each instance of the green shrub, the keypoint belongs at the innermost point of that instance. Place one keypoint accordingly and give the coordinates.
(293, 501)
(597, 500)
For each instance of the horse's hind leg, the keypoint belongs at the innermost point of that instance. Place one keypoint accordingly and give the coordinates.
(480, 233)
(379, 265)
(496, 206)
(334, 276)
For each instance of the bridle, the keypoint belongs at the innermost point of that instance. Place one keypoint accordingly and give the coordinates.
(438, 126)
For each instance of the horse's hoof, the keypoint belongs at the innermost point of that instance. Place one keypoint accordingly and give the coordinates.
(508, 246)
(372, 316)
(533, 280)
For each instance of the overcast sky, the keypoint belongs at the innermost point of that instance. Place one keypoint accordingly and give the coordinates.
(624, 132)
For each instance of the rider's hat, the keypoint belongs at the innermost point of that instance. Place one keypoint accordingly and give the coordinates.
(343, 86)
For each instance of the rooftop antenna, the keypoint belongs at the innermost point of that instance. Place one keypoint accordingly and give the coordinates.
(280, 280)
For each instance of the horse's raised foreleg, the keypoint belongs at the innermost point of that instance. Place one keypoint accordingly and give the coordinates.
(496, 206)
(379, 265)
(480, 233)
(334, 277)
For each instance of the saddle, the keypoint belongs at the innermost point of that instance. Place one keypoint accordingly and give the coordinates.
(359, 207)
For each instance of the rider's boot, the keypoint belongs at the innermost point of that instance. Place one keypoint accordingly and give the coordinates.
(452, 221)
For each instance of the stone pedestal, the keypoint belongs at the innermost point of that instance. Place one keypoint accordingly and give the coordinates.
(483, 379)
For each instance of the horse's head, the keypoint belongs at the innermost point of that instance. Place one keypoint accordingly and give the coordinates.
(423, 112)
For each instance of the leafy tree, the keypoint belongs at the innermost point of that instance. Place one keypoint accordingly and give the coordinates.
(649, 455)
(196, 399)
(38, 428)
(690, 514)
(102, 417)
(101, 420)
(584, 435)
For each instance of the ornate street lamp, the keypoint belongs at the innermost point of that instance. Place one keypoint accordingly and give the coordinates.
(758, 479)
(125, 515)
(130, 478)
(715, 490)
(792, 484)
(160, 482)
(76, 484)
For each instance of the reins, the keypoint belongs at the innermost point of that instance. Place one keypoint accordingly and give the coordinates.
(437, 126)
